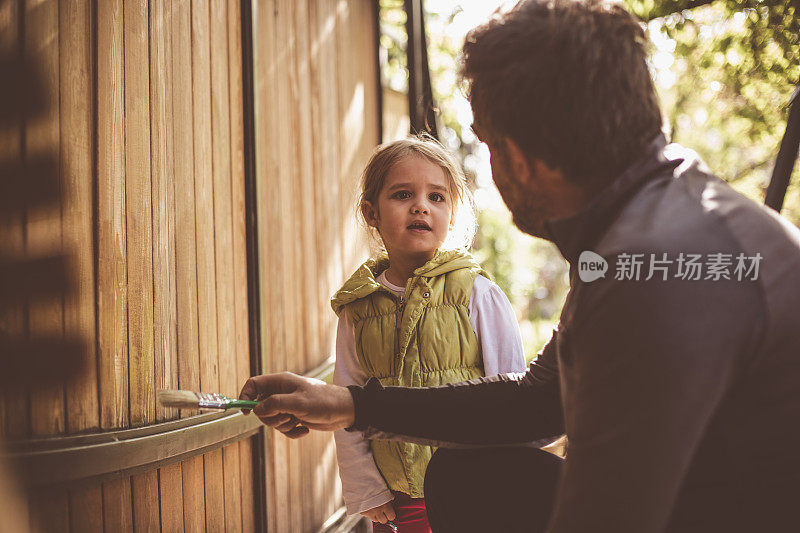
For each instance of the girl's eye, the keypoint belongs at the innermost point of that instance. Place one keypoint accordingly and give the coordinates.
(402, 195)
(436, 197)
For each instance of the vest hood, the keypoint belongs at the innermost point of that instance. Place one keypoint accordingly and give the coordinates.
(363, 283)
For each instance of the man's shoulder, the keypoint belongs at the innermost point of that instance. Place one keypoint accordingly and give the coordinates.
(690, 210)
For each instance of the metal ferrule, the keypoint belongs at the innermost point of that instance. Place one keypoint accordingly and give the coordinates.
(209, 400)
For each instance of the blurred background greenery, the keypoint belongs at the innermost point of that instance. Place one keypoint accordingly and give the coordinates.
(724, 70)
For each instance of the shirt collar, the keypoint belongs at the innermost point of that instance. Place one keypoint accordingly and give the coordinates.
(581, 231)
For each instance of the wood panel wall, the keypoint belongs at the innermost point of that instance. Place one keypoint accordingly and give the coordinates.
(317, 122)
(145, 118)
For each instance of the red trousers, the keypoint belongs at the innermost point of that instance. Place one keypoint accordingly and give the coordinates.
(411, 516)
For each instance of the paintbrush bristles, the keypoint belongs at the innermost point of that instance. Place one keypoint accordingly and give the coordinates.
(179, 398)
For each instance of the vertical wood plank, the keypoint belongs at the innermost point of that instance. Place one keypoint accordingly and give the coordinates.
(165, 342)
(16, 422)
(232, 480)
(204, 206)
(307, 271)
(321, 98)
(242, 325)
(86, 509)
(289, 188)
(138, 190)
(194, 513)
(214, 493)
(204, 221)
(117, 509)
(325, 166)
(111, 227)
(283, 279)
(50, 511)
(43, 228)
(77, 149)
(185, 237)
(270, 245)
(304, 178)
(223, 209)
(171, 485)
(249, 506)
(146, 501)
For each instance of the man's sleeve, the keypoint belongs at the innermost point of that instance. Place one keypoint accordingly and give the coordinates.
(645, 367)
(503, 409)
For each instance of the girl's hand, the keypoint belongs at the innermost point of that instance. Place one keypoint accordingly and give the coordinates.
(381, 514)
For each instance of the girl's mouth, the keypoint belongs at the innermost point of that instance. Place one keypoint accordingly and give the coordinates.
(419, 226)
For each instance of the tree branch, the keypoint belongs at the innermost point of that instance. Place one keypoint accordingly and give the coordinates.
(675, 7)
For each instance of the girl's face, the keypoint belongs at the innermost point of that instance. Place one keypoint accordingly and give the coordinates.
(414, 209)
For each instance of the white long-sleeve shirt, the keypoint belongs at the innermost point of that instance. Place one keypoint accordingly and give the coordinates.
(497, 330)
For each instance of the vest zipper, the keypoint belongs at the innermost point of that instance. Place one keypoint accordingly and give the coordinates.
(400, 307)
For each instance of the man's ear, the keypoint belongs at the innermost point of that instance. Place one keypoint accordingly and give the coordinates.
(524, 168)
(369, 213)
(520, 166)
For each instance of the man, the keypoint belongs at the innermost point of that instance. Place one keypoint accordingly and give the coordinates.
(675, 368)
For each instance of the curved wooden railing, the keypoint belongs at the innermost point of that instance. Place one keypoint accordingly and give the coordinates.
(96, 457)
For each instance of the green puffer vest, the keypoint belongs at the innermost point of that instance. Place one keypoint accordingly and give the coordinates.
(426, 340)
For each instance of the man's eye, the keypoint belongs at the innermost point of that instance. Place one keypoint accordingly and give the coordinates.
(402, 195)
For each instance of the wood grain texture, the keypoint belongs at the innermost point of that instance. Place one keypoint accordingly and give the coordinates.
(146, 504)
(268, 131)
(288, 189)
(16, 415)
(77, 148)
(112, 277)
(231, 468)
(206, 266)
(138, 194)
(223, 209)
(309, 263)
(185, 236)
(194, 515)
(165, 341)
(43, 231)
(242, 323)
(325, 141)
(248, 494)
(117, 508)
(214, 491)
(204, 202)
(50, 511)
(86, 509)
(171, 487)
(308, 267)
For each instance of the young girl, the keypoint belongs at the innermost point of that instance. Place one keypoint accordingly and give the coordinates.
(422, 313)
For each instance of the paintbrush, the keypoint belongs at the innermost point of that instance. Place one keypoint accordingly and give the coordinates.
(187, 399)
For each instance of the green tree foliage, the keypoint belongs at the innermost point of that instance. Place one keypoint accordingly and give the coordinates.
(725, 70)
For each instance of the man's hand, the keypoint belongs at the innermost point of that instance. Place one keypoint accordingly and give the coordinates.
(381, 514)
(294, 404)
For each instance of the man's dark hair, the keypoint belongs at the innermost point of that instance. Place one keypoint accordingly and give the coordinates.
(568, 81)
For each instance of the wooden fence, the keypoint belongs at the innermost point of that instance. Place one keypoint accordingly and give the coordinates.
(147, 118)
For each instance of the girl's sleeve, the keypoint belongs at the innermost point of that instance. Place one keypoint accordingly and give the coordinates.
(363, 486)
(496, 327)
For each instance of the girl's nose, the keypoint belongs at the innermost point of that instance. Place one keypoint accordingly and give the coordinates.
(419, 210)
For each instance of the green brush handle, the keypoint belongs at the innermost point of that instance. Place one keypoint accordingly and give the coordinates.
(241, 404)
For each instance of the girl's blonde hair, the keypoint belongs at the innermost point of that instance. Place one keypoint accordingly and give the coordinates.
(387, 155)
